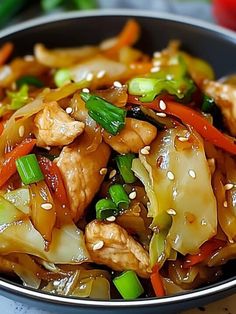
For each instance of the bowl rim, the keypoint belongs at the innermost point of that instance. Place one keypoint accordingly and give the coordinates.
(210, 290)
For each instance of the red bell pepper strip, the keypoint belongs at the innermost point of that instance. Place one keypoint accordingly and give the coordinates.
(157, 283)
(9, 164)
(195, 120)
(206, 250)
(53, 179)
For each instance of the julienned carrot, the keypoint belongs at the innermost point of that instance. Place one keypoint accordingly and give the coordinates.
(5, 52)
(127, 37)
(157, 283)
(9, 165)
(53, 179)
(206, 250)
(1, 127)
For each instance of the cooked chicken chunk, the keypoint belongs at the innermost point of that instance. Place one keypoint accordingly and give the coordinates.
(135, 135)
(110, 245)
(225, 97)
(54, 127)
(80, 169)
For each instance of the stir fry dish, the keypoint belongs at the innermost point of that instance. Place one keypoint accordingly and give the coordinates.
(117, 169)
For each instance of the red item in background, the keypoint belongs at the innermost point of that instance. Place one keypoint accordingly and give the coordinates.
(224, 12)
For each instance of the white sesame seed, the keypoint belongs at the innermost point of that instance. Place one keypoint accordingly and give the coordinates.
(156, 54)
(157, 63)
(89, 77)
(101, 74)
(111, 218)
(21, 131)
(103, 171)
(192, 173)
(145, 150)
(182, 139)
(112, 174)
(171, 212)
(155, 69)
(98, 245)
(69, 110)
(225, 204)
(170, 175)
(85, 90)
(228, 186)
(161, 114)
(132, 195)
(28, 58)
(117, 84)
(162, 105)
(46, 206)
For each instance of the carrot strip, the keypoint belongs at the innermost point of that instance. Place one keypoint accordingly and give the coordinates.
(157, 283)
(5, 52)
(128, 36)
(9, 164)
(1, 127)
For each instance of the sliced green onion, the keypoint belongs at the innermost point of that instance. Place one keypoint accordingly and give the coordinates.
(19, 98)
(49, 5)
(110, 117)
(85, 4)
(29, 80)
(62, 77)
(28, 169)
(105, 208)
(208, 104)
(128, 285)
(124, 164)
(119, 196)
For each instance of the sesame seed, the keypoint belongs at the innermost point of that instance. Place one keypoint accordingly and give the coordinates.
(156, 54)
(170, 175)
(171, 212)
(98, 245)
(117, 84)
(46, 206)
(145, 150)
(103, 171)
(89, 77)
(225, 204)
(161, 114)
(192, 173)
(21, 131)
(69, 110)
(228, 186)
(111, 218)
(162, 105)
(155, 69)
(85, 90)
(182, 139)
(28, 58)
(101, 74)
(157, 63)
(132, 195)
(112, 174)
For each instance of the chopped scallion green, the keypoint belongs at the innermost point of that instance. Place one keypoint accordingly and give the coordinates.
(128, 285)
(124, 164)
(29, 80)
(119, 196)
(28, 169)
(61, 77)
(105, 208)
(19, 98)
(110, 117)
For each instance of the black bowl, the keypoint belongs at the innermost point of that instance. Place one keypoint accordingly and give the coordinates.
(214, 44)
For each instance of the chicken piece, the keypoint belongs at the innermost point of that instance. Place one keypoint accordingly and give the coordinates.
(135, 135)
(225, 98)
(54, 127)
(110, 245)
(80, 169)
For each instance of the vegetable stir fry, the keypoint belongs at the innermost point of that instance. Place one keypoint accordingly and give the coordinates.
(117, 169)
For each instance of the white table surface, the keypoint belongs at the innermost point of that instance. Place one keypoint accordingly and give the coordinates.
(197, 8)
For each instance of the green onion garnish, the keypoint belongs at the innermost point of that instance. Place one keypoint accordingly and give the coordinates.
(19, 98)
(62, 77)
(208, 104)
(119, 196)
(105, 208)
(110, 117)
(124, 164)
(128, 285)
(28, 169)
(29, 80)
